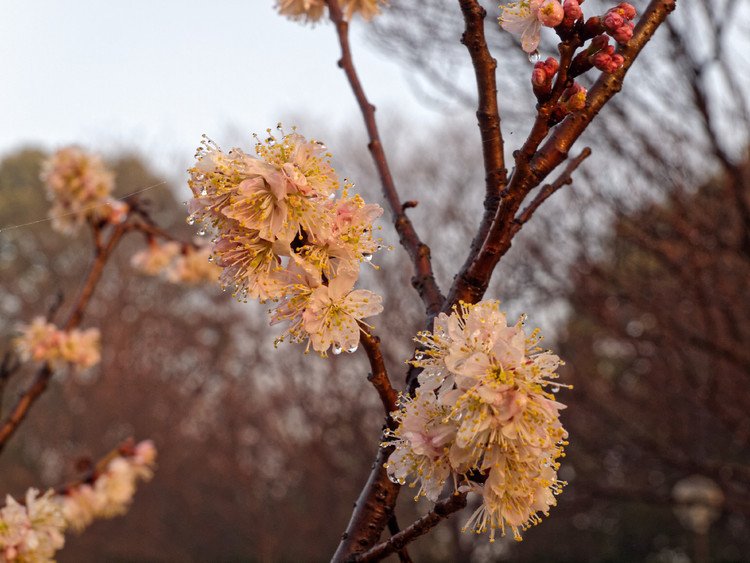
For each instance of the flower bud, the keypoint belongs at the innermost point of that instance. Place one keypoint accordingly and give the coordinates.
(623, 34)
(627, 10)
(598, 43)
(573, 12)
(612, 20)
(551, 13)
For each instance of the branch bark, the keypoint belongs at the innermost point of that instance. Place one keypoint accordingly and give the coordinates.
(43, 376)
(424, 279)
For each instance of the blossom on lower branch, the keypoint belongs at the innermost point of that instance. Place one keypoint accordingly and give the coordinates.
(33, 531)
(485, 415)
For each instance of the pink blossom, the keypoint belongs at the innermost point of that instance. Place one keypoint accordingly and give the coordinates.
(551, 13)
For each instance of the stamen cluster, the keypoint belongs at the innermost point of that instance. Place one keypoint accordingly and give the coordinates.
(283, 235)
(484, 415)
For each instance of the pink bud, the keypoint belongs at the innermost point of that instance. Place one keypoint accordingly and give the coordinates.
(627, 10)
(551, 13)
(607, 60)
(539, 77)
(612, 20)
(551, 65)
(573, 12)
(624, 33)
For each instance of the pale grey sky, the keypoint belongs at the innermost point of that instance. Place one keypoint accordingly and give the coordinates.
(158, 74)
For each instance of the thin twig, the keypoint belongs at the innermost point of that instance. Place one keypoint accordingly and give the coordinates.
(488, 117)
(403, 554)
(424, 279)
(43, 376)
(548, 189)
(379, 375)
(440, 512)
(533, 164)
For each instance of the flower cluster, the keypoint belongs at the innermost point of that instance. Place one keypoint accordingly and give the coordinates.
(484, 416)
(41, 341)
(313, 10)
(79, 185)
(176, 262)
(109, 492)
(32, 531)
(618, 22)
(283, 235)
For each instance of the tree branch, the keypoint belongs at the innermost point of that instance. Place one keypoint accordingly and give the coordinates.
(441, 511)
(533, 165)
(43, 376)
(424, 279)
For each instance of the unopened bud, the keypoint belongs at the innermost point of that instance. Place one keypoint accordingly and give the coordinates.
(628, 11)
(598, 43)
(573, 12)
(612, 20)
(623, 34)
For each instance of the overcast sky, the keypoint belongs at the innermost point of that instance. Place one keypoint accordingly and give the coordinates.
(157, 75)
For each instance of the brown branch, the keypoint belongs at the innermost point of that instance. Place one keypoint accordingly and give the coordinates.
(373, 509)
(43, 376)
(441, 511)
(424, 279)
(403, 555)
(547, 190)
(488, 117)
(533, 164)
(379, 375)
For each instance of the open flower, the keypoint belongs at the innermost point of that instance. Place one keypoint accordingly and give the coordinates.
(334, 312)
(485, 394)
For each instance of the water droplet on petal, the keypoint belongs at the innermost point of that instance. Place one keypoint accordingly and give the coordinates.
(336, 349)
(352, 349)
(418, 355)
(555, 388)
(367, 256)
(534, 56)
(204, 192)
(202, 231)
(211, 259)
(190, 220)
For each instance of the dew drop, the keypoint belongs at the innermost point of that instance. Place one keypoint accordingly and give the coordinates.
(204, 192)
(336, 350)
(202, 231)
(211, 259)
(190, 220)
(418, 355)
(367, 256)
(352, 349)
(555, 388)
(534, 56)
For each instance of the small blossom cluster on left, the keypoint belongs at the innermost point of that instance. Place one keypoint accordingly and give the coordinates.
(41, 341)
(34, 530)
(80, 187)
(283, 235)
